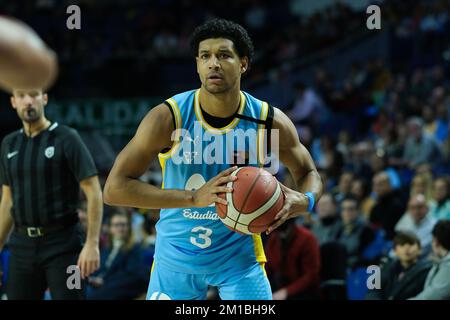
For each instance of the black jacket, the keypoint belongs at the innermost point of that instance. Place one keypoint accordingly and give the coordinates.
(408, 286)
(387, 211)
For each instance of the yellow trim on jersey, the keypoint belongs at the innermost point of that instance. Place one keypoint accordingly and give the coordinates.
(162, 162)
(178, 124)
(206, 126)
(263, 266)
(260, 137)
(162, 157)
(259, 249)
(153, 267)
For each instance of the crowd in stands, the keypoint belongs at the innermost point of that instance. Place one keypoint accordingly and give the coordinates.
(123, 46)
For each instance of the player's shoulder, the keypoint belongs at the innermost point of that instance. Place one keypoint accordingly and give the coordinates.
(11, 136)
(62, 130)
(280, 119)
(183, 96)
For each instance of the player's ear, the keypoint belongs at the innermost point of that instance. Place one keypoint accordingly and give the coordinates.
(196, 62)
(45, 98)
(13, 101)
(244, 64)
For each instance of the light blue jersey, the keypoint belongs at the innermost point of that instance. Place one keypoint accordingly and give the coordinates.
(194, 240)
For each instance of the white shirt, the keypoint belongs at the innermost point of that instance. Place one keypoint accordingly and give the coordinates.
(422, 230)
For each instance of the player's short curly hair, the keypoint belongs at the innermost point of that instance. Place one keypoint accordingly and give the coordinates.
(221, 28)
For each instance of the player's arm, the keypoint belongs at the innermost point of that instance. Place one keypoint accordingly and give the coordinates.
(123, 187)
(294, 155)
(6, 220)
(89, 259)
(25, 61)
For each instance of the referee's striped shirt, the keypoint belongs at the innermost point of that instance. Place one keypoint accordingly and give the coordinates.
(43, 173)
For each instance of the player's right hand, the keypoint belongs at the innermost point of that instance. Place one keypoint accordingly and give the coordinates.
(208, 193)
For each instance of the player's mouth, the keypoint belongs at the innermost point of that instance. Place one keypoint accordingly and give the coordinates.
(30, 112)
(215, 78)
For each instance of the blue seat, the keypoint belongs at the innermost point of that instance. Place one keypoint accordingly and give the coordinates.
(357, 284)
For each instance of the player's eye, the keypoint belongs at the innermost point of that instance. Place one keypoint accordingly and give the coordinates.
(224, 56)
(204, 56)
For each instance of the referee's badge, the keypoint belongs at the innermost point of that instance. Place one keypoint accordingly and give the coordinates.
(49, 152)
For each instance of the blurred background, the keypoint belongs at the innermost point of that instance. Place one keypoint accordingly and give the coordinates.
(372, 107)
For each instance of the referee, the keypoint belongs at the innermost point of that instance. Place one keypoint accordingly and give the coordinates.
(42, 168)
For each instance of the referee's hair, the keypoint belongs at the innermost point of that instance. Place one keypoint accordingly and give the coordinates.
(441, 232)
(221, 28)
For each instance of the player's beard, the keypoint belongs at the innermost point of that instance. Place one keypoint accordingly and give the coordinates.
(31, 115)
(217, 89)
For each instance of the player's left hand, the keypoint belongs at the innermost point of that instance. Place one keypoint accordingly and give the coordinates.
(295, 205)
(281, 294)
(89, 260)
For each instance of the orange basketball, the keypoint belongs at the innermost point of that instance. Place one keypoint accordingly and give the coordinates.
(256, 199)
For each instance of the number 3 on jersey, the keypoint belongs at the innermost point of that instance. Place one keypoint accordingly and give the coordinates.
(203, 234)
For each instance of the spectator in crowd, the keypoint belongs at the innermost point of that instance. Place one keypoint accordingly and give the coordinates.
(360, 190)
(322, 152)
(420, 148)
(403, 276)
(121, 274)
(308, 107)
(379, 163)
(293, 265)
(419, 222)
(149, 236)
(437, 283)
(325, 229)
(440, 204)
(389, 143)
(354, 233)
(344, 144)
(388, 207)
(422, 183)
(359, 160)
(343, 189)
(148, 243)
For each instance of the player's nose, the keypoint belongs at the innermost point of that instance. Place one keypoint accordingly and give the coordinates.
(214, 62)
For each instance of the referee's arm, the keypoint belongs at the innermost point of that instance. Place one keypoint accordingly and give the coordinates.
(6, 221)
(83, 167)
(89, 260)
(6, 202)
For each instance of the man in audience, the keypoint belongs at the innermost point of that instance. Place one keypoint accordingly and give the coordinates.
(293, 265)
(437, 284)
(402, 277)
(420, 148)
(344, 187)
(388, 207)
(354, 233)
(327, 226)
(418, 221)
(440, 204)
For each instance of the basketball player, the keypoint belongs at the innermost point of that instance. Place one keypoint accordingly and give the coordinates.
(194, 249)
(25, 61)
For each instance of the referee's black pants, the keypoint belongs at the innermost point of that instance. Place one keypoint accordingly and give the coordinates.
(38, 264)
